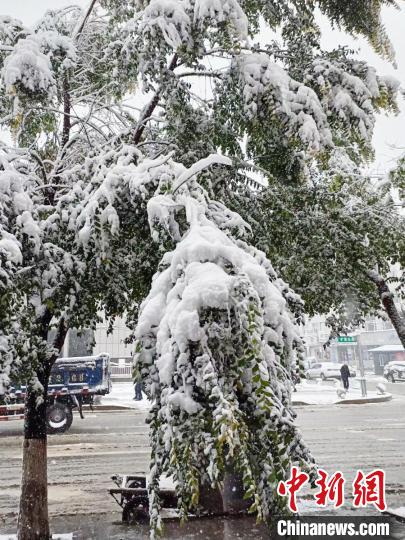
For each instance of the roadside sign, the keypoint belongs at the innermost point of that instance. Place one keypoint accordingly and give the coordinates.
(347, 339)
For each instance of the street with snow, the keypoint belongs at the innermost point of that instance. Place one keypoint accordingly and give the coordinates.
(81, 462)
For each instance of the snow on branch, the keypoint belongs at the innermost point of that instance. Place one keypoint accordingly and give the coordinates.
(267, 85)
(351, 91)
(216, 348)
(177, 21)
(27, 67)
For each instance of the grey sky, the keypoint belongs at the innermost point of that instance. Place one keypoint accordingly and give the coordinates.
(389, 136)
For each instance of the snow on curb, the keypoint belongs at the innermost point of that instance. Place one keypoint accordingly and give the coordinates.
(397, 513)
(121, 397)
(321, 394)
(372, 397)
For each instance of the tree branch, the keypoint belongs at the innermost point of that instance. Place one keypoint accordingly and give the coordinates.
(387, 300)
(80, 29)
(148, 110)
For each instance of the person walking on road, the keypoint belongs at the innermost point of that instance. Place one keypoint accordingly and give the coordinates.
(344, 375)
(138, 385)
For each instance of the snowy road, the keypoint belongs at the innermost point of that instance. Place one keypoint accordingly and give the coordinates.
(345, 438)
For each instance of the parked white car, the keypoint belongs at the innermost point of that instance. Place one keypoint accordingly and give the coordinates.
(395, 371)
(309, 361)
(326, 370)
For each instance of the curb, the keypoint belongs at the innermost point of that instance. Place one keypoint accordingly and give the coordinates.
(358, 401)
(392, 513)
(109, 408)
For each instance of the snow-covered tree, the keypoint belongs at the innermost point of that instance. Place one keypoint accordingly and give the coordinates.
(279, 104)
(54, 103)
(88, 179)
(286, 108)
(217, 348)
(327, 238)
(216, 338)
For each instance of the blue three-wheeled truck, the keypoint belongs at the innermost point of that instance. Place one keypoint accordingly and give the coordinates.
(74, 382)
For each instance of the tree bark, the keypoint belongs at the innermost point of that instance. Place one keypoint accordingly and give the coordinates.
(66, 111)
(387, 300)
(33, 522)
(148, 110)
(33, 519)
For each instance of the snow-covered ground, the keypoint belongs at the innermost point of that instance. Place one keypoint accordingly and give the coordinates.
(320, 393)
(122, 395)
(309, 392)
(400, 512)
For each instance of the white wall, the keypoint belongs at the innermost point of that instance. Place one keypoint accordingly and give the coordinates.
(112, 344)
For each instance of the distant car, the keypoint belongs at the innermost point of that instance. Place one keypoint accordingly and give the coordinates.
(395, 371)
(326, 370)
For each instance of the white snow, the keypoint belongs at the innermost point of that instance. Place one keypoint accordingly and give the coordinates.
(400, 512)
(222, 11)
(122, 394)
(317, 393)
(170, 17)
(175, 20)
(295, 104)
(28, 66)
(11, 247)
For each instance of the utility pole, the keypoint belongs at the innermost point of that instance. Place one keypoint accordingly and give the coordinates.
(363, 384)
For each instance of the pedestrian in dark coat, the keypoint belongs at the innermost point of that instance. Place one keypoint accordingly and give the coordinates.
(345, 374)
(138, 384)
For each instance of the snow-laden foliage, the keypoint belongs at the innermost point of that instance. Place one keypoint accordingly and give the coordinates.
(37, 271)
(28, 68)
(342, 226)
(216, 336)
(51, 76)
(297, 107)
(216, 349)
(176, 21)
(290, 100)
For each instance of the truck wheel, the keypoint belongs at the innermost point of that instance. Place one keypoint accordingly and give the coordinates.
(59, 418)
(390, 377)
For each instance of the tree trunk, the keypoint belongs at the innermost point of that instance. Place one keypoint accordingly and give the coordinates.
(33, 523)
(233, 493)
(387, 300)
(33, 520)
(66, 111)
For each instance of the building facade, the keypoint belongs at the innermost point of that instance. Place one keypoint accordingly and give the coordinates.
(359, 345)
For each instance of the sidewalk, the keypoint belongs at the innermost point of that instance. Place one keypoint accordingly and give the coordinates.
(122, 395)
(308, 393)
(318, 393)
